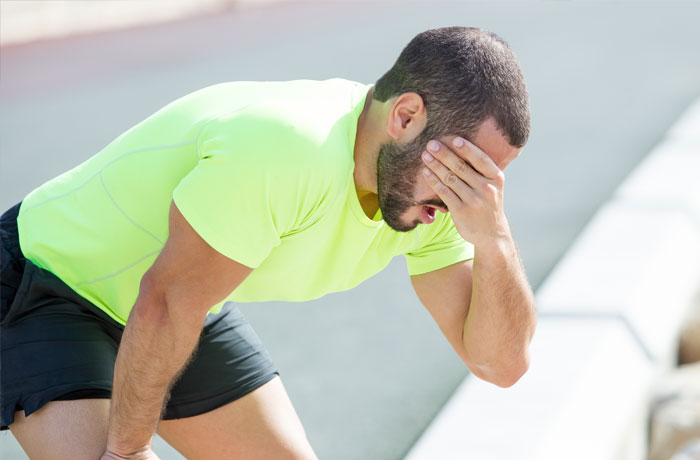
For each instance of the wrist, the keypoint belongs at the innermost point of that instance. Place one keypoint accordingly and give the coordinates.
(500, 242)
(120, 450)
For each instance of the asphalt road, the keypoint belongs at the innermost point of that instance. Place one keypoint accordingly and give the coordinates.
(367, 369)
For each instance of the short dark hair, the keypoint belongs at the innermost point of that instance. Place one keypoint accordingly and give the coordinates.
(464, 76)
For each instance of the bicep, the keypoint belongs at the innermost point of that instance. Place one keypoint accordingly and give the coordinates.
(446, 294)
(189, 271)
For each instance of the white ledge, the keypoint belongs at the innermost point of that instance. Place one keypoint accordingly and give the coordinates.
(575, 401)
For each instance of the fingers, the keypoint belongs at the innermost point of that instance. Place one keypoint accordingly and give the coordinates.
(462, 150)
(449, 165)
(446, 194)
(451, 178)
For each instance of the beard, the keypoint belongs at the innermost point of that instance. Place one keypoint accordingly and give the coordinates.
(398, 166)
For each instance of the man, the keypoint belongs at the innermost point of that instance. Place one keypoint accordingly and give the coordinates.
(249, 192)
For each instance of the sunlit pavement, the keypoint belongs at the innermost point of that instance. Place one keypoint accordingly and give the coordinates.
(367, 369)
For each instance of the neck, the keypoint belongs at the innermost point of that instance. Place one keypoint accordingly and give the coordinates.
(369, 138)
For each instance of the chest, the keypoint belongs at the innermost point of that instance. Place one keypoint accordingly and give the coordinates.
(336, 253)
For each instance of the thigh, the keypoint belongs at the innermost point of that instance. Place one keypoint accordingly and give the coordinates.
(230, 402)
(51, 346)
(229, 362)
(73, 430)
(262, 425)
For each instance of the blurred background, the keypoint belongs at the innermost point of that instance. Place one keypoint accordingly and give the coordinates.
(366, 369)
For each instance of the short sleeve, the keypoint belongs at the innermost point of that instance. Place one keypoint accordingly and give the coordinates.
(439, 245)
(234, 197)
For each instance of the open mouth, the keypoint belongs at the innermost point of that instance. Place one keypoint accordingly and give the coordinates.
(427, 214)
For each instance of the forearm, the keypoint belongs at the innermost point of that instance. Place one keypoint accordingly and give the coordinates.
(155, 345)
(501, 318)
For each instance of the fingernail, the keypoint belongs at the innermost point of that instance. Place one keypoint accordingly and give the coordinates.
(427, 172)
(458, 142)
(427, 156)
(434, 146)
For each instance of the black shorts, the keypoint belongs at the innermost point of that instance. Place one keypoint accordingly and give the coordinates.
(56, 345)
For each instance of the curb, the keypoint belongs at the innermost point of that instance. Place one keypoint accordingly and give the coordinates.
(609, 316)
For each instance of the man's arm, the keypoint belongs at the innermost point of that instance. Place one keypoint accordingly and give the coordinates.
(488, 304)
(163, 328)
(486, 312)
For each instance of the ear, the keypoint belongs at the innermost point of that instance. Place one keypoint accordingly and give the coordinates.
(407, 117)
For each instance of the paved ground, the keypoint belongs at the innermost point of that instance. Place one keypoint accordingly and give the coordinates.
(367, 369)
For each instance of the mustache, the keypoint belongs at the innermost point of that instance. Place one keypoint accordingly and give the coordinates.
(433, 201)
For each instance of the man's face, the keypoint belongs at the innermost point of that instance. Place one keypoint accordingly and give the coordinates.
(405, 197)
(397, 184)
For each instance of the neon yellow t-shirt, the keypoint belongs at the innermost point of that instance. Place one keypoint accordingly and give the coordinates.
(262, 171)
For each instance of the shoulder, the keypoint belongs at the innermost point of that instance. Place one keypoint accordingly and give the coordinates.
(302, 126)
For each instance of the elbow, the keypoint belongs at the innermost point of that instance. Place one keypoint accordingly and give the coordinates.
(150, 304)
(504, 376)
(514, 373)
(164, 303)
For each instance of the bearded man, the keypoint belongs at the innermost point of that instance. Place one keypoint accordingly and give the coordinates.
(115, 271)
